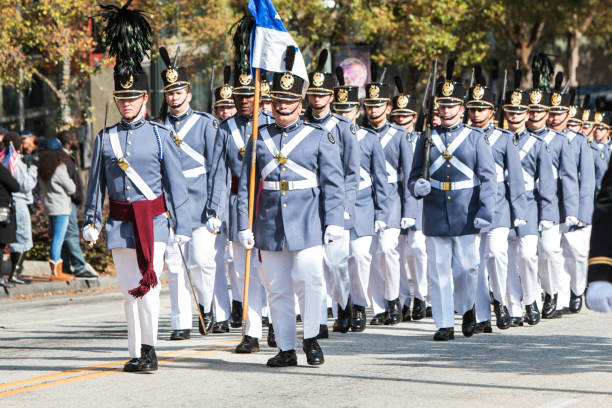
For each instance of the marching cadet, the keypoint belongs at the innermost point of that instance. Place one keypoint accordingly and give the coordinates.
(599, 291)
(194, 134)
(230, 146)
(224, 103)
(510, 207)
(139, 164)
(265, 100)
(565, 185)
(412, 251)
(459, 200)
(320, 95)
(538, 184)
(601, 153)
(385, 274)
(300, 208)
(574, 241)
(370, 205)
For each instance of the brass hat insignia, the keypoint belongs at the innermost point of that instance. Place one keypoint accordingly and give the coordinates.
(515, 98)
(342, 95)
(128, 82)
(555, 99)
(448, 88)
(318, 78)
(535, 96)
(585, 115)
(598, 117)
(374, 91)
(402, 101)
(171, 75)
(286, 81)
(226, 92)
(478, 92)
(572, 111)
(244, 79)
(264, 88)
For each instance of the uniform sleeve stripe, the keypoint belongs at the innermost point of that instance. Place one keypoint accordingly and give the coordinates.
(600, 260)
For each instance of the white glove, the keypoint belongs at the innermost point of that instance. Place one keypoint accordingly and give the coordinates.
(213, 225)
(347, 216)
(571, 221)
(406, 223)
(599, 296)
(480, 223)
(422, 187)
(333, 233)
(90, 233)
(546, 225)
(246, 238)
(519, 223)
(379, 226)
(181, 239)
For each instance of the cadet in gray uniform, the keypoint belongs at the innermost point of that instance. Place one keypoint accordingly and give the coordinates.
(601, 153)
(300, 208)
(320, 95)
(139, 164)
(370, 206)
(459, 201)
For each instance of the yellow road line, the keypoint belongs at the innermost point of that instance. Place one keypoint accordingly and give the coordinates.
(104, 371)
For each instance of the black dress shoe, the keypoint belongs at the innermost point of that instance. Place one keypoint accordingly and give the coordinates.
(6, 284)
(132, 366)
(444, 334)
(271, 337)
(221, 327)
(532, 314)
(148, 359)
(550, 306)
(86, 275)
(314, 354)
(180, 334)
(236, 315)
(428, 312)
(575, 303)
(406, 316)
(283, 359)
(502, 317)
(323, 332)
(394, 316)
(343, 322)
(265, 321)
(379, 319)
(330, 313)
(516, 322)
(483, 327)
(418, 309)
(248, 345)
(358, 323)
(16, 280)
(469, 323)
(209, 321)
(298, 318)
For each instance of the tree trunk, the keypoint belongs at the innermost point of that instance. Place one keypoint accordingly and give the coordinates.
(522, 51)
(573, 55)
(65, 114)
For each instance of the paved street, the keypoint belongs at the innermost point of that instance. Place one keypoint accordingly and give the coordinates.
(63, 351)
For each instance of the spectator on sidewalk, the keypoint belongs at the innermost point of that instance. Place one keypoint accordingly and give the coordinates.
(26, 175)
(56, 188)
(72, 254)
(8, 185)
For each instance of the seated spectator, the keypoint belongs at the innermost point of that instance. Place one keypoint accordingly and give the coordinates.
(8, 185)
(56, 188)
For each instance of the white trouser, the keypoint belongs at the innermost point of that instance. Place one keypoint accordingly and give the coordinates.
(550, 259)
(204, 252)
(452, 271)
(180, 292)
(232, 272)
(413, 260)
(360, 261)
(257, 293)
(141, 315)
(223, 307)
(492, 272)
(335, 262)
(385, 273)
(289, 272)
(522, 273)
(575, 245)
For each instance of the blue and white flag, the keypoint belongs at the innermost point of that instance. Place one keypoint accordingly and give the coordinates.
(270, 39)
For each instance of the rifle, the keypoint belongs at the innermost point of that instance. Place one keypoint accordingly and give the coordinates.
(429, 127)
(420, 124)
(500, 103)
(97, 170)
(211, 91)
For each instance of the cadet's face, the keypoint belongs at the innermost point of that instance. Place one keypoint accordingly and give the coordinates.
(537, 117)
(376, 113)
(224, 112)
(267, 106)
(350, 115)
(587, 130)
(130, 108)
(557, 119)
(177, 99)
(450, 115)
(601, 133)
(244, 104)
(404, 120)
(575, 128)
(319, 101)
(286, 112)
(480, 116)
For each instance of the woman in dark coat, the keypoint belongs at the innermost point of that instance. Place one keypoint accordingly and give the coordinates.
(8, 185)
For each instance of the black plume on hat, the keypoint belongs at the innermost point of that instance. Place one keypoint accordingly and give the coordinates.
(242, 44)
(478, 77)
(289, 58)
(374, 72)
(558, 81)
(227, 73)
(518, 74)
(340, 76)
(163, 53)
(322, 60)
(586, 102)
(450, 68)
(542, 68)
(572, 93)
(127, 37)
(399, 85)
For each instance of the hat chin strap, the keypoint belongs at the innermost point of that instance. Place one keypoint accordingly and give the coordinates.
(478, 122)
(447, 118)
(377, 117)
(179, 105)
(289, 113)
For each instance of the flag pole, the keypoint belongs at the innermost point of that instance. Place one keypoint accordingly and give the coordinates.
(247, 265)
